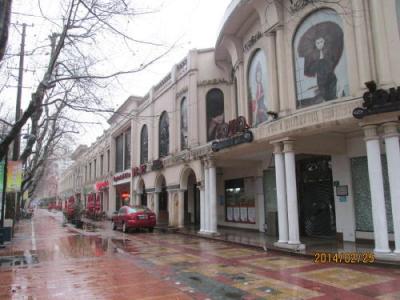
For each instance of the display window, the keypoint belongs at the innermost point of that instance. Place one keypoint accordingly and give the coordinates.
(240, 201)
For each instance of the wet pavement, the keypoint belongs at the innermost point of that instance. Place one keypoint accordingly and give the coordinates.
(55, 262)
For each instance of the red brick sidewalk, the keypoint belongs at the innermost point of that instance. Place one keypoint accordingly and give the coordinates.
(72, 266)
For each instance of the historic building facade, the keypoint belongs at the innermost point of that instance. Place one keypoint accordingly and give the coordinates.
(275, 129)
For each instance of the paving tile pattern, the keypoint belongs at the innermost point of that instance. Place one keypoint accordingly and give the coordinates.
(143, 265)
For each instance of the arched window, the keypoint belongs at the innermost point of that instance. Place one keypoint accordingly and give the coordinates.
(215, 112)
(257, 88)
(320, 59)
(184, 124)
(144, 145)
(163, 135)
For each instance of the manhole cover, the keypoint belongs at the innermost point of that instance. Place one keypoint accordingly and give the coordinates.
(15, 261)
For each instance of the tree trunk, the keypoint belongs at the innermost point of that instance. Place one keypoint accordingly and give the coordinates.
(5, 6)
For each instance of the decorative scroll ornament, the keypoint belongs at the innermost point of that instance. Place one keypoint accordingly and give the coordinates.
(297, 5)
(250, 43)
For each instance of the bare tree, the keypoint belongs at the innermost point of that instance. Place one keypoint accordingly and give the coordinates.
(5, 11)
(73, 77)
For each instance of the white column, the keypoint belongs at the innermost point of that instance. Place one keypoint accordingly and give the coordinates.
(281, 194)
(291, 188)
(156, 200)
(202, 207)
(213, 197)
(171, 209)
(181, 209)
(393, 162)
(377, 191)
(206, 200)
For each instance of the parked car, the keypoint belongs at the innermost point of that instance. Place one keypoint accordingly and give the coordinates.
(134, 217)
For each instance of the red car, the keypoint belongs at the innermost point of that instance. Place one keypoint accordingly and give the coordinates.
(134, 217)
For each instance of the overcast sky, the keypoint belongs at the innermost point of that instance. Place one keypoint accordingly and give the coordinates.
(190, 23)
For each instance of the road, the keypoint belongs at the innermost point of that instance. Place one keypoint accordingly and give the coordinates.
(59, 263)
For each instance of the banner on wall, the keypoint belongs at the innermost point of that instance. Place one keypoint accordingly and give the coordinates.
(1, 175)
(14, 176)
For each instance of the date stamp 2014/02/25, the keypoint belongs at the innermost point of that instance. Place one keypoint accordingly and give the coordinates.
(344, 257)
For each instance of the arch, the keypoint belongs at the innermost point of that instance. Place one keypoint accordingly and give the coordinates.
(159, 182)
(163, 135)
(140, 186)
(214, 112)
(184, 177)
(144, 145)
(319, 58)
(184, 123)
(257, 83)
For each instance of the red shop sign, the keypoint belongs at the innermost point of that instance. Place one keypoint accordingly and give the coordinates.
(101, 185)
(122, 176)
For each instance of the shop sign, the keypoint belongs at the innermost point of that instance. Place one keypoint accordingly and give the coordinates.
(122, 176)
(234, 133)
(378, 101)
(157, 165)
(14, 176)
(101, 185)
(137, 171)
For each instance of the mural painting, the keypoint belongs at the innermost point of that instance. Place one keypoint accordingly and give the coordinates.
(215, 112)
(257, 84)
(320, 60)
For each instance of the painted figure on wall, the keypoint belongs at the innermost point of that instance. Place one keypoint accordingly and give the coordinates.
(215, 112)
(257, 88)
(321, 73)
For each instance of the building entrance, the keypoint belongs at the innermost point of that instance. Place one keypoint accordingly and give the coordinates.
(163, 204)
(316, 196)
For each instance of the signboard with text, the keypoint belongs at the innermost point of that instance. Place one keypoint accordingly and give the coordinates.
(14, 176)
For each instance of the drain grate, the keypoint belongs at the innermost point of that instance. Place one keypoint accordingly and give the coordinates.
(16, 261)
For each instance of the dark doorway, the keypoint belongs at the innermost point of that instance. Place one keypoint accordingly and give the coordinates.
(192, 202)
(143, 197)
(163, 204)
(316, 196)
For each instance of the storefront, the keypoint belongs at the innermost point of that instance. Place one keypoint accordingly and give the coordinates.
(122, 185)
(240, 201)
(102, 195)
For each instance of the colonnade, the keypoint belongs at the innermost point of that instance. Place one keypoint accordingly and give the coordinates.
(391, 140)
(286, 190)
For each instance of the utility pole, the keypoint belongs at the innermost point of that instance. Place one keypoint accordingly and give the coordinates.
(17, 141)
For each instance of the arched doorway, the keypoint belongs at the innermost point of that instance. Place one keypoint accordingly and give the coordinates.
(163, 203)
(192, 202)
(191, 206)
